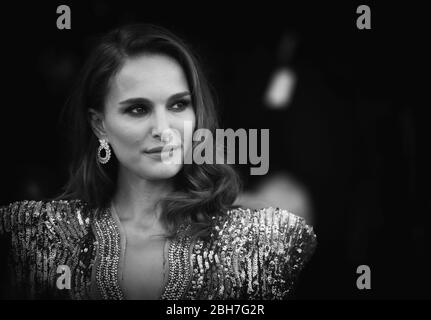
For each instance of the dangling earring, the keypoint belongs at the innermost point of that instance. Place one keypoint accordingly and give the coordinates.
(103, 146)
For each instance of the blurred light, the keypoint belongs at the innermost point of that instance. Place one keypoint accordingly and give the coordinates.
(281, 88)
(279, 190)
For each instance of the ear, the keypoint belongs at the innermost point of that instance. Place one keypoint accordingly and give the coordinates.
(97, 123)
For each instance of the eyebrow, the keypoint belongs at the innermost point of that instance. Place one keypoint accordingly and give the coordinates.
(148, 101)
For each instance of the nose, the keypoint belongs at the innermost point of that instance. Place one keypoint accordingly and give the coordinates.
(160, 124)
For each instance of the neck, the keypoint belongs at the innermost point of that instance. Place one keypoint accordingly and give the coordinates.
(136, 199)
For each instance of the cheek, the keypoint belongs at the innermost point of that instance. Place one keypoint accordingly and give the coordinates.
(186, 127)
(125, 136)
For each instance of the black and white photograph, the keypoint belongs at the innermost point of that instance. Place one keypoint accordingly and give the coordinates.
(214, 151)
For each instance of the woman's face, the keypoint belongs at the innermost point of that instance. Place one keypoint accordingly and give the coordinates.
(148, 100)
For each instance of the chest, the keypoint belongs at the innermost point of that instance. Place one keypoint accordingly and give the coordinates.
(124, 265)
(144, 267)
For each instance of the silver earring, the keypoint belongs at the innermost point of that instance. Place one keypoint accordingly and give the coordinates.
(103, 146)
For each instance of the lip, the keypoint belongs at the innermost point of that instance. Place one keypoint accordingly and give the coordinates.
(159, 149)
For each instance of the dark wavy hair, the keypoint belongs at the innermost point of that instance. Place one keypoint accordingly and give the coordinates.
(201, 191)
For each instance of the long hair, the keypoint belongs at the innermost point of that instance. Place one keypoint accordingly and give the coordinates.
(201, 191)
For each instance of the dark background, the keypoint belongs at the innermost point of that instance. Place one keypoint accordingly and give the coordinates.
(355, 133)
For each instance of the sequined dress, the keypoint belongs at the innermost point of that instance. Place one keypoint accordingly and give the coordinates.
(249, 254)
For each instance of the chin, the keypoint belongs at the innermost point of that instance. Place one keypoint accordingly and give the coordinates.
(161, 171)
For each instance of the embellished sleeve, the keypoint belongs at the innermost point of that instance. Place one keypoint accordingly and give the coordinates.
(285, 244)
(15, 234)
(53, 218)
(36, 234)
(6, 213)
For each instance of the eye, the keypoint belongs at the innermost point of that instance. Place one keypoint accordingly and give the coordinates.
(137, 109)
(181, 105)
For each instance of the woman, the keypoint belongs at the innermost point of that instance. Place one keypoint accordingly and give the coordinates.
(131, 225)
